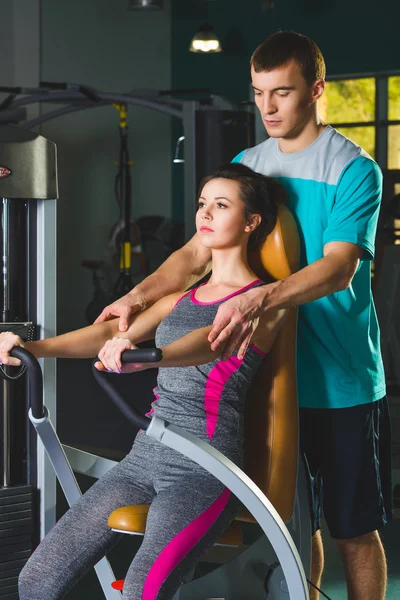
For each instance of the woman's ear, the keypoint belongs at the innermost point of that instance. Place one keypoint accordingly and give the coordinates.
(253, 223)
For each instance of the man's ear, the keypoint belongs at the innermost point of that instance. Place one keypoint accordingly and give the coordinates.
(318, 89)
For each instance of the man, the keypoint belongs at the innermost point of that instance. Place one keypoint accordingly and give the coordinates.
(334, 192)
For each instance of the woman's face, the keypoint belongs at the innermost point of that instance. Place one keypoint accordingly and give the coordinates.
(220, 221)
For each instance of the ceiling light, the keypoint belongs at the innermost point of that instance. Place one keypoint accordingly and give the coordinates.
(205, 40)
(145, 4)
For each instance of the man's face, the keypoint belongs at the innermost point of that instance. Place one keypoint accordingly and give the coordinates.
(284, 99)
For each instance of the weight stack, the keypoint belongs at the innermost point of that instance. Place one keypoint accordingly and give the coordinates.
(16, 536)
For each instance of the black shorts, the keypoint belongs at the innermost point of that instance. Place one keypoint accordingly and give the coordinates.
(348, 459)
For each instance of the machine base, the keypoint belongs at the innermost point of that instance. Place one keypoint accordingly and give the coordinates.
(16, 536)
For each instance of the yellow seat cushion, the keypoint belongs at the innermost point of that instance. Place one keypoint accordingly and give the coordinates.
(129, 518)
(133, 519)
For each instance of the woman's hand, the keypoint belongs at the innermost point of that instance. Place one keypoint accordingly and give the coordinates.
(129, 304)
(110, 357)
(8, 341)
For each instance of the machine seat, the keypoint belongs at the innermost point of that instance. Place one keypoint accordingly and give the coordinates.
(132, 519)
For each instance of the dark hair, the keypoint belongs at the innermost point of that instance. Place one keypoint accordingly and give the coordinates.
(260, 194)
(282, 47)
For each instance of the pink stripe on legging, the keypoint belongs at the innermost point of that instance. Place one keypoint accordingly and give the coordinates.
(181, 544)
(216, 381)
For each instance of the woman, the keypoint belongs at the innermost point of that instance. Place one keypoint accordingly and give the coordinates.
(196, 390)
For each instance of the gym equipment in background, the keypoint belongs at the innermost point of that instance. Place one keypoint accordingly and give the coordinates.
(230, 126)
(215, 130)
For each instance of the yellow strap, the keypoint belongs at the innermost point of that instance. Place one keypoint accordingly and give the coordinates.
(123, 114)
(125, 262)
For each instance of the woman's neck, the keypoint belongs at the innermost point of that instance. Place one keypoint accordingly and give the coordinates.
(231, 268)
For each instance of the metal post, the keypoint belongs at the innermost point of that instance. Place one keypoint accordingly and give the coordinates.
(46, 319)
(6, 255)
(6, 314)
(189, 126)
(6, 433)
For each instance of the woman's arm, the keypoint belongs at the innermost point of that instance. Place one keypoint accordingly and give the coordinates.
(190, 350)
(88, 341)
(194, 348)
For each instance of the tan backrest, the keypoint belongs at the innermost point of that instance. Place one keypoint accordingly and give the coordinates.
(271, 421)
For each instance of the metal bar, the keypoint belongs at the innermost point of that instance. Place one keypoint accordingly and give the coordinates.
(5, 315)
(87, 463)
(6, 434)
(46, 228)
(189, 127)
(71, 489)
(363, 75)
(59, 112)
(6, 257)
(355, 124)
(68, 97)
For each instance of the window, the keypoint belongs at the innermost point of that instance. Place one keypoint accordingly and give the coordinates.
(367, 110)
(350, 100)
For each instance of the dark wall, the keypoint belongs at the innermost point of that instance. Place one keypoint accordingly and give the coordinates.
(355, 37)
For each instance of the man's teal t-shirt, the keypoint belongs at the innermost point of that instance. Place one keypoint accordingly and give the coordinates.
(334, 190)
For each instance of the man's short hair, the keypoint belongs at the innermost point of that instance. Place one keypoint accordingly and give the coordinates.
(282, 47)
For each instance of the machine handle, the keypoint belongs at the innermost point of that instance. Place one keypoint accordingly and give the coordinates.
(104, 380)
(141, 355)
(35, 379)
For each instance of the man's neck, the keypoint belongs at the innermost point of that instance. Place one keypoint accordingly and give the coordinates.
(303, 139)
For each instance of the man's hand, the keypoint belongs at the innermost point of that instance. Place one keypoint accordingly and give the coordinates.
(129, 304)
(236, 321)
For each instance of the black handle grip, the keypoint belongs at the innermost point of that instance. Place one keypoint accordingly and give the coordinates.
(142, 355)
(35, 379)
(104, 380)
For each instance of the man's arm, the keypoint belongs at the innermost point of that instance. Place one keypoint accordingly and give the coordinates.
(348, 237)
(183, 268)
(330, 274)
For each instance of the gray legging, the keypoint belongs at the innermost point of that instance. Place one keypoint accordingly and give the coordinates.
(189, 511)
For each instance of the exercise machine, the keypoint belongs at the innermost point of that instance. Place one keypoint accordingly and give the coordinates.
(289, 563)
(28, 192)
(273, 567)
